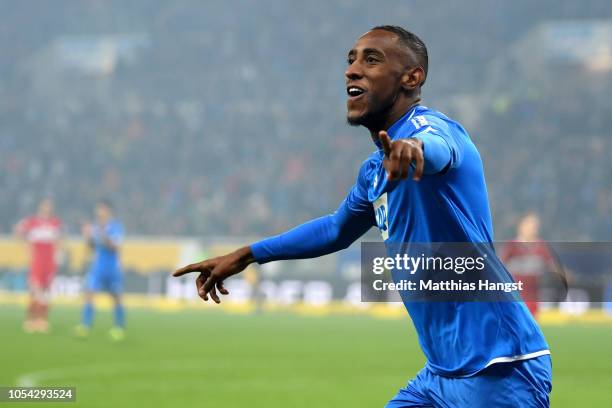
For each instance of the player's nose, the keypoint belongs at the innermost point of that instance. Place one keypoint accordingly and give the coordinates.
(353, 72)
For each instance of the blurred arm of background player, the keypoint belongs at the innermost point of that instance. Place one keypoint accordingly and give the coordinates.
(87, 230)
(19, 230)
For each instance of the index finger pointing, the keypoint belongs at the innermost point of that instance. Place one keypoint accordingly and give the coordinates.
(194, 267)
(385, 141)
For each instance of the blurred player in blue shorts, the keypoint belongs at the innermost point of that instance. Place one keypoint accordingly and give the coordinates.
(105, 238)
(424, 183)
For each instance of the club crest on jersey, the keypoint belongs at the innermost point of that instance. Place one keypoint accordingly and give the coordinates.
(381, 213)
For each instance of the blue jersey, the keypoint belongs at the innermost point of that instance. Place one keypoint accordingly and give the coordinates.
(449, 204)
(106, 260)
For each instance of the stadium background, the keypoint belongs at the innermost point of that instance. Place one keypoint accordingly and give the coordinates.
(209, 124)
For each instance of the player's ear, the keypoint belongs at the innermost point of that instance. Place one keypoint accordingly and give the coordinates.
(413, 78)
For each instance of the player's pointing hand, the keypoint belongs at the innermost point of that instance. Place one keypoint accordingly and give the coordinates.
(400, 156)
(215, 270)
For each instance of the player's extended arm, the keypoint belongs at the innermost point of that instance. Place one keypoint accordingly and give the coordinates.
(315, 238)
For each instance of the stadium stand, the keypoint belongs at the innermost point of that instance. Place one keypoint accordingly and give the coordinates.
(189, 119)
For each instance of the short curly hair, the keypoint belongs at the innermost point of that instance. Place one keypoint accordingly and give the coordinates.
(412, 42)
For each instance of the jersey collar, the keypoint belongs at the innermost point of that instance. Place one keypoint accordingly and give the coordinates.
(394, 128)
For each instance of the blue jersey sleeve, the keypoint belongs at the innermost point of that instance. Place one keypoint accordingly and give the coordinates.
(323, 235)
(441, 144)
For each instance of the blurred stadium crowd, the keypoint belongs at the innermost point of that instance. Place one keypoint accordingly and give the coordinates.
(201, 118)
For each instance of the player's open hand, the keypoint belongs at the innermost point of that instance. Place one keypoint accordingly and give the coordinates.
(399, 156)
(215, 270)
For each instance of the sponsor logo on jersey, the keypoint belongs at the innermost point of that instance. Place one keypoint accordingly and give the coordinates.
(381, 212)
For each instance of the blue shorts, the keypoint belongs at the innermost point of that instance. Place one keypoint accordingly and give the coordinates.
(104, 280)
(520, 384)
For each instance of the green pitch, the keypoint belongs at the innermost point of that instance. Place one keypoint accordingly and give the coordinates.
(212, 359)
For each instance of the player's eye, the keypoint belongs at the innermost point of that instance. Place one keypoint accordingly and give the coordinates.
(349, 61)
(371, 60)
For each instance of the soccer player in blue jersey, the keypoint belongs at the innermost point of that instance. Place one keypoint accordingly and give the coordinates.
(104, 237)
(425, 183)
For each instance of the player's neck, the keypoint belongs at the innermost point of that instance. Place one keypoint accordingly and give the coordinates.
(395, 113)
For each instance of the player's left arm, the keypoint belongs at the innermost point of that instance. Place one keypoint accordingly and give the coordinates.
(429, 151)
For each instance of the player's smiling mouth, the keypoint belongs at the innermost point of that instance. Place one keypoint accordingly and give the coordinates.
(355, 92)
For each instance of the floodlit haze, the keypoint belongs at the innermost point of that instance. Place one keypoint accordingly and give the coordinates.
(201, 118)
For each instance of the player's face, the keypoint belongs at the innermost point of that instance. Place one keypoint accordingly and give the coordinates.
(530, 226)
(45, 209)
(373, 77)
(103, 213)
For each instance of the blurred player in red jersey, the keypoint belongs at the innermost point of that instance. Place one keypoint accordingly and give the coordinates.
(42, 231)
(528, 257)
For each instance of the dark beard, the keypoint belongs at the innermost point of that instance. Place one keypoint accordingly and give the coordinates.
(369, 120)
(354, 122)
(372, 119)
